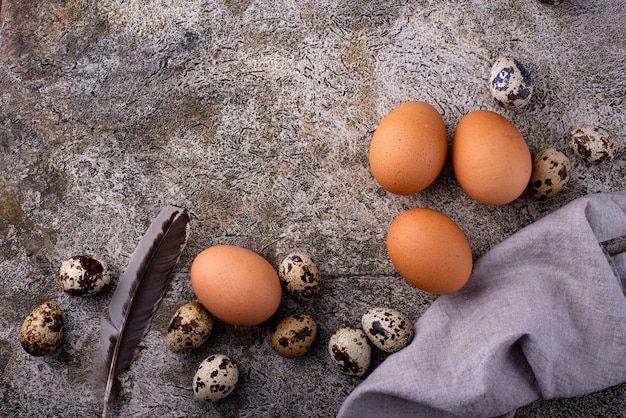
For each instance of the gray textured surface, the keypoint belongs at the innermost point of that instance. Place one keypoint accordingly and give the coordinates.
(257, 118)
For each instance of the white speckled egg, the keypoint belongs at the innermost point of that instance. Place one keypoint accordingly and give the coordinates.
(215, 379)
(510, 83)
(190, 327)
(300, 277)
(388, 329)
(551, 172)
(350, 351)
(83, 275)
(42, 330)
(595, 145)
(294, 335)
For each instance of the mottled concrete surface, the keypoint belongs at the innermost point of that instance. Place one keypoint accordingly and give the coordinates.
(257, 118)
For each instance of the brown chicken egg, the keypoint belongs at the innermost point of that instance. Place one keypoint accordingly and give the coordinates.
(429, 250)
(408, 148)
(490, 158)
(236, 285)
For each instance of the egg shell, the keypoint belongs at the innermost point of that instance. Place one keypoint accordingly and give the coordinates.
(294, 335)
(408, 148)
(215, 379)
(300, 277)
(510, 83)
(83, 275)
(388, 329)
(490, 158)
(350, 351)
(593, 144)
(190, 327)
(551, 172)
(42, 330)
(429, 250)
(236, 284)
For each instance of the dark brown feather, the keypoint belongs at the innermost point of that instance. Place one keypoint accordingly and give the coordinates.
(138, 295)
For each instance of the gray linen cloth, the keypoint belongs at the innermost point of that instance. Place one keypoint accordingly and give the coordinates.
(542, 316)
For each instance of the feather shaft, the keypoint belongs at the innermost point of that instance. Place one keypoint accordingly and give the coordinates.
(138, 295)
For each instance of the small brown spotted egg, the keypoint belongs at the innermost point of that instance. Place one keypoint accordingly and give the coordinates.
(350, 351)
(42, 330)
(294, 335)
(83, 275)
(388, 329)
(551, 172)
(510, 83)
(595, 145)
(300, 277)
(215, 379)
(190, 327)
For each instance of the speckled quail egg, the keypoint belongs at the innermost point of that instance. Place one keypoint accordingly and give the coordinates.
(350, 351)
(83, 275)
(551, 172)
(300, 277)
(510, 83)
(190, 327)
(294, 335)
(594, 144)
(42, 330)
(215, 379)
(388, 330)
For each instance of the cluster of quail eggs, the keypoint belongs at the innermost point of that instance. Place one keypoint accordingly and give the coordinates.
(189, 328)
(511, 86)
(41, 332)
(349, 348)
(387, 329)
(217, 375)
(300, 277)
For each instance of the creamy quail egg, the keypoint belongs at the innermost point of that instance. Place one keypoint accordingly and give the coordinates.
(190, 327)
(350, 351)
(594, 144)
(42, 330)
(388, 329)
(215, 378)
(83, 275)
(294, 335)
(551, 172)
(300, 277)
(510, 83)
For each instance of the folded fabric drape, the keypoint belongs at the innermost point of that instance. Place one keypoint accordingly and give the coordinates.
(543, 315)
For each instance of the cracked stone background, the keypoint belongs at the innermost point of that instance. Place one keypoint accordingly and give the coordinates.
(257, 118)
